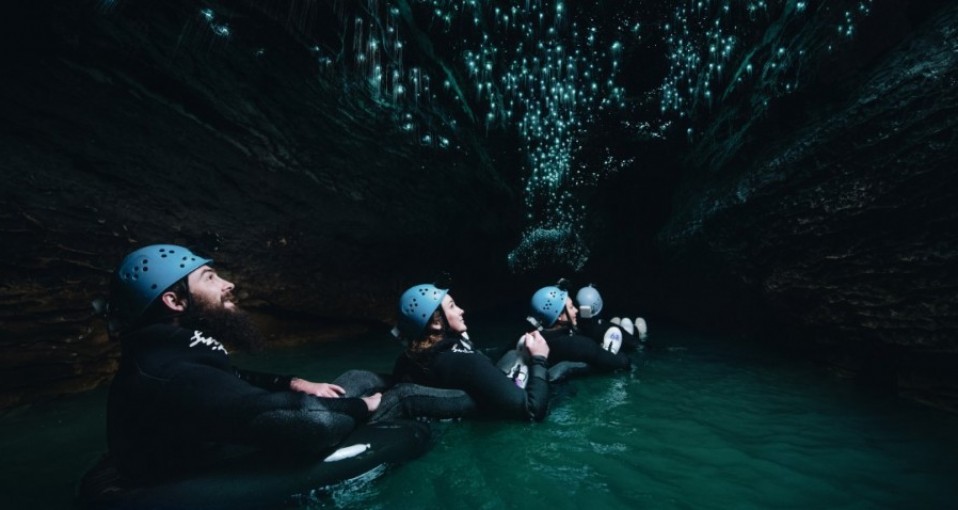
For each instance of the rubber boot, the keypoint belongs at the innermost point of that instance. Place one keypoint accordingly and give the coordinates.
(612, 340)
(641, 327)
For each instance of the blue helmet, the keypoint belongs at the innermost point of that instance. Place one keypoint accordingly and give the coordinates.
(416, 307)
(547, 304)
(146, 273)
(589, 296)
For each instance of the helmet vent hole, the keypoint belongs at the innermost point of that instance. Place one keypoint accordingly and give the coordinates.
(153, 286)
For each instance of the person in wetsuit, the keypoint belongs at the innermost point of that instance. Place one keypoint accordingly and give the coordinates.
(176, 400)
(440, 354)
(553, 311)
(613, 335)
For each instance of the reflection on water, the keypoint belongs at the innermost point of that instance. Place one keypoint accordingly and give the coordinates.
(700, 422)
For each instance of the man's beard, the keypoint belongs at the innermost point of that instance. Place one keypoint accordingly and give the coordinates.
(232, 327)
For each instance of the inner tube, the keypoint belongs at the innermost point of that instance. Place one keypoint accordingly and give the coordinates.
(258, 480)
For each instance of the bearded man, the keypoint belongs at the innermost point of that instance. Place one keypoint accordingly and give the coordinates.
(177, 399)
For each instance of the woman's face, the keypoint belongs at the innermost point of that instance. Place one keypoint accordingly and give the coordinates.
(454, 314)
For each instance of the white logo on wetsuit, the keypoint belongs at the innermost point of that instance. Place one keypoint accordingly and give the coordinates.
(214, 345)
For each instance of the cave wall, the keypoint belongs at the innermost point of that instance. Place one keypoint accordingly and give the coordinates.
(136, 124)
(832, 221)
(828, 221)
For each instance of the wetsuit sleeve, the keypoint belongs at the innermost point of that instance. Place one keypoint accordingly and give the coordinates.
(494, 392)
(537, 387)
(271, 382)
(357, 383)
(215, 405)
(584, 349)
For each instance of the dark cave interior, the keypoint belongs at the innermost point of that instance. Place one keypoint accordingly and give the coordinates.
(815, 200)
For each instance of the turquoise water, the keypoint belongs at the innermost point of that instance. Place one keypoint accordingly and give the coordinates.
(700, 422)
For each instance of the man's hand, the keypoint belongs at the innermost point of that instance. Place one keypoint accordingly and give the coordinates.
(326, 390)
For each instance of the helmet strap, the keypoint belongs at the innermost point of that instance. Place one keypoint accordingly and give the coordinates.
(572, 327)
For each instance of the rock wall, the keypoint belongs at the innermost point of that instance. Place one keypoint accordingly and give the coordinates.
(133, 124)
(834, 222)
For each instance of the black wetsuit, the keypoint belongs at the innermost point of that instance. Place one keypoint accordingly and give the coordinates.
(454, 363)
(565, 345)
(176, 399)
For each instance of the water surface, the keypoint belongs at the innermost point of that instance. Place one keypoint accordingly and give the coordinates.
(700, 422)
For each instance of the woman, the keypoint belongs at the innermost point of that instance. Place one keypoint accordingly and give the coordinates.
(440, 354)
(553, 311)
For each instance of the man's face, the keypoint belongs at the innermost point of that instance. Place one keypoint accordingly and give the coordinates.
(215, 313)
(209, 291)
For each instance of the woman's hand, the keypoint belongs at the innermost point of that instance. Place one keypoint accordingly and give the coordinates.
(326, 390)
(536, 344)
(372, 401)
